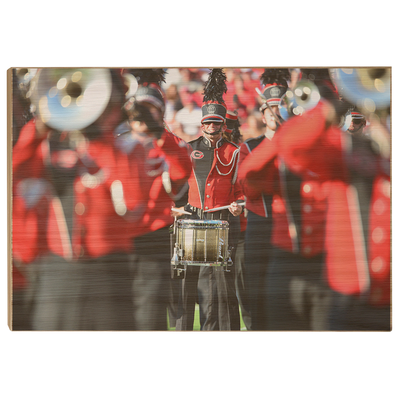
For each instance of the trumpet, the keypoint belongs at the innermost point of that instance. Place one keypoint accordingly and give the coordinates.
(305, 96)
(68, 99)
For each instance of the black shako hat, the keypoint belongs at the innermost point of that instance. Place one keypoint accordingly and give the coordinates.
(149, 86)
(214, 107)
(275, 85)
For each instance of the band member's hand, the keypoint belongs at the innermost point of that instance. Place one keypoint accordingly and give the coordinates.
(177, 212)
(235, 209)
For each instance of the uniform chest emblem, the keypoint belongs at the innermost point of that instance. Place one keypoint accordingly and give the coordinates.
(197, 155)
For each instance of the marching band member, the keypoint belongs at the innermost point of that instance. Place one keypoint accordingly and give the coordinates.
(83, 281)
(259, 205)
(212, 184)
(357, 237)
(297, 296)
(168, 168)
(232, 133)
(358, 123)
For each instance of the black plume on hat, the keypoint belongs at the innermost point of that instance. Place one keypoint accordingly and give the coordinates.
(149, 90)
(149, 75)
(214, 108)
(215, 86)
(275, 76)
(275, 86)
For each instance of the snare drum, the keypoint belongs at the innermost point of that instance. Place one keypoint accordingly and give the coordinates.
(202, 242)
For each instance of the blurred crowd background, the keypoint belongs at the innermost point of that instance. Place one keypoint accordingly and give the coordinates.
(184, 96)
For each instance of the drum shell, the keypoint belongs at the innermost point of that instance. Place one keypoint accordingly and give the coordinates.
(203, 242)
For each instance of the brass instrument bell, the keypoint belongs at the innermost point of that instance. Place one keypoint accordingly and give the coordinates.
(68, 99)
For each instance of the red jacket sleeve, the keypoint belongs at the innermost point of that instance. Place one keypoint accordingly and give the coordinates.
(256, 169)
(31, 196)
(306, 143)
(127, 178)
(177, 154)
(26, 148)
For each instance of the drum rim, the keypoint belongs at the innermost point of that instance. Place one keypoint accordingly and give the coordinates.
(204, 263)
(203, 223)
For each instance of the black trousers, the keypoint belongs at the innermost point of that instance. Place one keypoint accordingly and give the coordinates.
(214, 290)
(298, 298)
(240, 281)
(350, 313)
(90, 295)
(151, 280)
(256, 260)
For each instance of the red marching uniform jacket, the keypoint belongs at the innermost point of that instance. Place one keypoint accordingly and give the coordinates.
(109, 183)
(31, 197)
(167, 169)
(213, 180)
(109, 200)
(358, 234)
(255, 199)
(299, 204)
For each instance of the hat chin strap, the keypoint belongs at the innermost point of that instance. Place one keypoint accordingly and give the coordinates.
(214, 133)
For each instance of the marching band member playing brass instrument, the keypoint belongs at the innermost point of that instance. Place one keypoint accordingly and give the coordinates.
(297, 296)
(212, 184)
(357, 171)
(83, 279)
(258, 204)
(168, 167)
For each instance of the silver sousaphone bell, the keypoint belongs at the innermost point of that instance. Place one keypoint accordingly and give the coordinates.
(68, 99)
(366, 88)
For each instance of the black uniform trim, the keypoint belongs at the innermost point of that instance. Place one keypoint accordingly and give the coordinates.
(251, 144)
(203, 161)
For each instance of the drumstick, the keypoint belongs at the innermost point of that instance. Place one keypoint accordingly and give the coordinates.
(180, 211)
(224, 207)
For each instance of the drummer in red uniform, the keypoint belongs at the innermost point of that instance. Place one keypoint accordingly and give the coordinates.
(212, 184)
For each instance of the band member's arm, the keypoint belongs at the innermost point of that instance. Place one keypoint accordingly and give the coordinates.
(129, 184)
(238, 195)
(30, 196)
(256, 169)
(27, 145)
(248, 189)
(311, 142)
(177, 154)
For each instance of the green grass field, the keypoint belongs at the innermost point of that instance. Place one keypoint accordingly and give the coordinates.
(196, 325)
